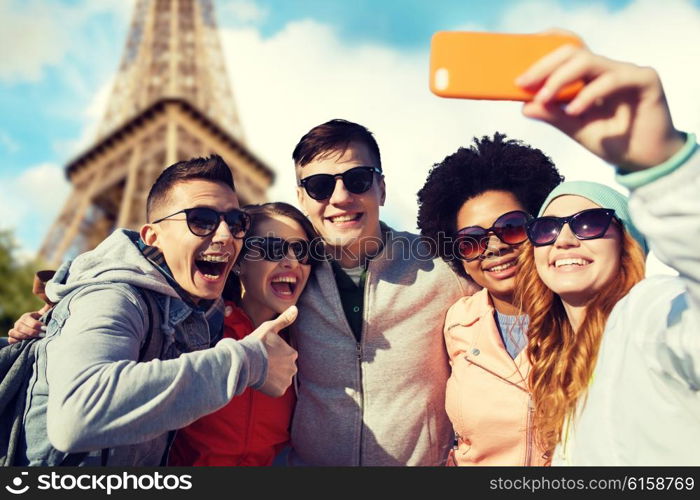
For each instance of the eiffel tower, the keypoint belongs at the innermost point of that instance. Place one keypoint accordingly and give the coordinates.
(171, 101)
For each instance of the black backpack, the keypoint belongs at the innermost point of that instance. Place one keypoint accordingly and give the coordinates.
(16, 368)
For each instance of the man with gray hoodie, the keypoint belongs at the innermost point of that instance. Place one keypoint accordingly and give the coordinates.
(89, 390)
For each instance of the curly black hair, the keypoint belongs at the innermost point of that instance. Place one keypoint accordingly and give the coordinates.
(498, 164)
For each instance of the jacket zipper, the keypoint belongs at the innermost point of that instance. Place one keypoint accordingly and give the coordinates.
(530, 409)
(494, 373)
(362, 402)
(358, 348)
(528, 443)
(359, 362)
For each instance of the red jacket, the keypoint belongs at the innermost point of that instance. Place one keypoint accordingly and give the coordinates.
(248, 431)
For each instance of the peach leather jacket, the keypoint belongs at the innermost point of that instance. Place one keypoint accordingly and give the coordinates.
(487, 398)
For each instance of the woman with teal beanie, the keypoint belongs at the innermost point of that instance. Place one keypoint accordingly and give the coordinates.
(615, 357)
(585, 255)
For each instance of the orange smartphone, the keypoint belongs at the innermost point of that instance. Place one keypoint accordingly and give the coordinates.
(479, 65)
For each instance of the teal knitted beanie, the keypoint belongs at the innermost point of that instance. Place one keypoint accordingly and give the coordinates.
(604, 196)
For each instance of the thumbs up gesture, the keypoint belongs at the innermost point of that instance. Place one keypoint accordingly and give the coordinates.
(281, 358)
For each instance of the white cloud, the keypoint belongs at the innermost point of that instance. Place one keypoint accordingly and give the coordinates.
(43, 186)
(644, 32)
(35, 34)
(11, 212)
(304, 75)
(30, 201)
(92, 116)
(31, 39)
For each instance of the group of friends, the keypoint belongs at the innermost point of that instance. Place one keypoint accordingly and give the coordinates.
(516, 329)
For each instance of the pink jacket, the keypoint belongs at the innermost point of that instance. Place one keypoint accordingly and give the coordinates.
(487, 398)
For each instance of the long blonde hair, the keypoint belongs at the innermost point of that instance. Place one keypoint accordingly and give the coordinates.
(563, 360)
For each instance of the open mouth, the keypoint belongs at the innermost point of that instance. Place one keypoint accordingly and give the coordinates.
(284, 286)
(342, 219)
(570, 263)
(501, 267)
(212, 266)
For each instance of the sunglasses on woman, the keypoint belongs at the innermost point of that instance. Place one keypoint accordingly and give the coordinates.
(471, 242)
(586, 225)
(203, 221)
(275, 249)
(357, 180)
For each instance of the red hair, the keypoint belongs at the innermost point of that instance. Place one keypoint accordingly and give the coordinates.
(563, 360)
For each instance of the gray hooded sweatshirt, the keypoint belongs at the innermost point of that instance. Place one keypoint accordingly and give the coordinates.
(379, 401)
(89, 392)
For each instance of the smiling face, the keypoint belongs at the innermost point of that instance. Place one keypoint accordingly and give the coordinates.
(345, 219)
(271, 287)
(495, 270)
(577, 270)
(200, 265)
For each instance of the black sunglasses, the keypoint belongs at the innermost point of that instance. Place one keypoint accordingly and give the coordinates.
(586, 225)
(275, 249)
(203, 221)
(471, 242)
(357, 180)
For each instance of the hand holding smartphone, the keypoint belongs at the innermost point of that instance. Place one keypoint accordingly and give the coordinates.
(479, 65)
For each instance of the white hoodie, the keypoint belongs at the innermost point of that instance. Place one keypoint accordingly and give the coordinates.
(643, 405)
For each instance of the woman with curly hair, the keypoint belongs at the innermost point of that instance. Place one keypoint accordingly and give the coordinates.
(615, 358)
(474, 207)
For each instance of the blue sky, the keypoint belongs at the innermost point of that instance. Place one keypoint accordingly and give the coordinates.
(294, 64)
(402, 23)
(42, 104)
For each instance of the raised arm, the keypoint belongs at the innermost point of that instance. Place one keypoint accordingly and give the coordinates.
(622, 116)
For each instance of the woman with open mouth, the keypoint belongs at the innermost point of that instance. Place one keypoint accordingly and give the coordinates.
(271, 272)
(475, 206)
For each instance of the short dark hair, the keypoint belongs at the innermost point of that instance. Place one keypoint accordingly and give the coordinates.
(497, 164)
(212, 168)
(332, 136)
